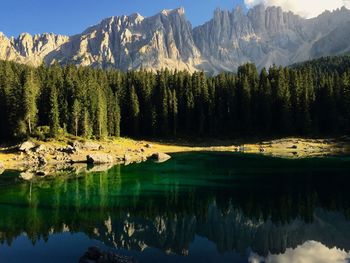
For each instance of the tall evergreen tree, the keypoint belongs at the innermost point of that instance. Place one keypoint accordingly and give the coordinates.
(76, 112)
(134, 111)
(30, 95)
(54, 121)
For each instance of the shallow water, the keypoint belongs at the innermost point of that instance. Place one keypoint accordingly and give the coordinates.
(197, 207)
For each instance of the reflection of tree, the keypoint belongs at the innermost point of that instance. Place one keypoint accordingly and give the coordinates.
(158, 209)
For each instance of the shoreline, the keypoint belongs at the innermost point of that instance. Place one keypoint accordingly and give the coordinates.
(35, 154)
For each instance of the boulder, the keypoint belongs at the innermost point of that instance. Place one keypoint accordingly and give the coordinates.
(26, 176)
(160, 157)
(40, 149)
(76, 144)
(99, 158)
(91, 146)
(69, 149)
(127, 158)
(148, 145)
(26, 146)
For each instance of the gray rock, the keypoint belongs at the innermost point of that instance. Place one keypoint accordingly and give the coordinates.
(160, 157)
(26, 146)
(99, 158)
(148, 145)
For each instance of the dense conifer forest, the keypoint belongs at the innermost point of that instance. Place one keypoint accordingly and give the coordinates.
(312, 98)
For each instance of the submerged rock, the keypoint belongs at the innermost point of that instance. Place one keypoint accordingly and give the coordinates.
(99, 167)
(99, 158)
(95, 255)
(160, 157)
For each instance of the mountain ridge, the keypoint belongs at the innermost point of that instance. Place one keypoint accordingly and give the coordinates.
(263, 35)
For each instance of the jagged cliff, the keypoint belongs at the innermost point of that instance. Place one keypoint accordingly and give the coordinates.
(264, 36)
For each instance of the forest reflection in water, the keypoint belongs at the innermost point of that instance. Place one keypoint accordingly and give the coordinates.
(253, 205)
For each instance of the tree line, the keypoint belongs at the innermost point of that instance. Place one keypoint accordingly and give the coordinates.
(307, 99)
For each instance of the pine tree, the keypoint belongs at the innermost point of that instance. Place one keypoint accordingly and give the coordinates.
(134, 111)
(264, 102)
(76, 111)
(54, 121)
(86, 126)
(30, 95)
(101, 115)
(117, 117)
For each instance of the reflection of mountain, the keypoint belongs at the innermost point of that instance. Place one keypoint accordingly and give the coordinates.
(169, 205)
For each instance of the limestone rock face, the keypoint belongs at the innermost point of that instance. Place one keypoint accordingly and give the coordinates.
(268, 36)
(264, 36)
(30, 49)
(134, 42)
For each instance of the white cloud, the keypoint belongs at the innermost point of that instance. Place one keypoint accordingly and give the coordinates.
(309, 252)
(305, 8)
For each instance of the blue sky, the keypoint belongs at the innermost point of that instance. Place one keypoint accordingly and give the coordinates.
(73, 16)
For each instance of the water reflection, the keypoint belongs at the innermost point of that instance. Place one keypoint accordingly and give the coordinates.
(255, 206)
(309, 252)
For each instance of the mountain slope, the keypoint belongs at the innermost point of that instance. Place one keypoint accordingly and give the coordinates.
(264, 36)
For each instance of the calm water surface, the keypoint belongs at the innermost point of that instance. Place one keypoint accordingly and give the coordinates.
(197, 207)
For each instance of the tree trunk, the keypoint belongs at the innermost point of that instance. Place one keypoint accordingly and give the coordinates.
(76, 126)
(29, 126)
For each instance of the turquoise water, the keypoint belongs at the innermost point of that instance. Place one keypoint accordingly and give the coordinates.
(197, 207)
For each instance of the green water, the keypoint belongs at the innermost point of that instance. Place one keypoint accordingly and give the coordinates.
(197, 207)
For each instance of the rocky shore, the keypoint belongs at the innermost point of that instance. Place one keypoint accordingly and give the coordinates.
(38, 158)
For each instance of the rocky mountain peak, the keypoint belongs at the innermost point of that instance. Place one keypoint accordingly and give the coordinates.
(178, 11)
(263, 35)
